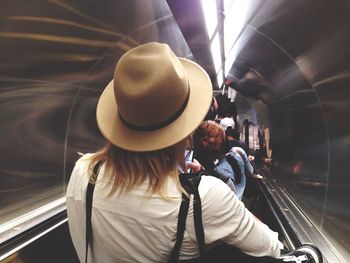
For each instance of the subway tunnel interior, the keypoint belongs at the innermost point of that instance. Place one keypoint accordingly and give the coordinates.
(289, 62)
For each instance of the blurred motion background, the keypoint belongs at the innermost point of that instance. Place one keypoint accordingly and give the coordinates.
(289, 62)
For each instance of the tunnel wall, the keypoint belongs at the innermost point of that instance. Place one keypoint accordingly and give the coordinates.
(299, 56)
(56, 58)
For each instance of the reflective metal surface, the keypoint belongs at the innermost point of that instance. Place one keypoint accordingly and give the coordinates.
(292, 59)
(56, 58)
(300, 52)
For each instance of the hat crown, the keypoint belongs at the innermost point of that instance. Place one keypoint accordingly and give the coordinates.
(150, 85)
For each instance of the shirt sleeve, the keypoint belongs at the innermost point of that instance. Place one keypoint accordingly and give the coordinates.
(225, 218)
(75, 202)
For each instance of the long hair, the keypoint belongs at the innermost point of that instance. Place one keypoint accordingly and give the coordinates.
(127, 169)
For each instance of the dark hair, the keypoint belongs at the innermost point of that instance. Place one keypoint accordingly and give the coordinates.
(232, 132)
(223, 102)
(232, 109)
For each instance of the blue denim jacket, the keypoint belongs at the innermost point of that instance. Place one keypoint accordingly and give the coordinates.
(224, 167)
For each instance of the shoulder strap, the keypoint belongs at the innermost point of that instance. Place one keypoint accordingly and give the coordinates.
(198, 225)
(181, 225)
(247, 172)
(190, 183)
(89, 195)
(240, 154)
(233, 162)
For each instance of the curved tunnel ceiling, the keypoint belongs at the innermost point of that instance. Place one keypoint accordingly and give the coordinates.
(291, 67)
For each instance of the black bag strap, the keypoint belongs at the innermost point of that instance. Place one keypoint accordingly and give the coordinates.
(190, 183)
(181, 225)
(245, 166)
(198, 225)
(240, 154)
(233, 162)
(89, 195)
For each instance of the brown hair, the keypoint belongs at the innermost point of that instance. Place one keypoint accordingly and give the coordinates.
(127, 169)
(209, 141)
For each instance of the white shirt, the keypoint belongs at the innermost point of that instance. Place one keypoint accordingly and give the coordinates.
(132, 227)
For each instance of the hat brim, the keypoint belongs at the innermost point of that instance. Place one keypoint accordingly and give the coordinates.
(115, 131)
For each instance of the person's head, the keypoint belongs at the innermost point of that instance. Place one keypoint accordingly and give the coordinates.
(232, 109)
(223, 105)
(231, 134)
(228, 124)
(209, 141)
(154, 102)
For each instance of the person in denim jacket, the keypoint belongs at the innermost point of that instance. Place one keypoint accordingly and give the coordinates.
(239, 178)
(209, 142)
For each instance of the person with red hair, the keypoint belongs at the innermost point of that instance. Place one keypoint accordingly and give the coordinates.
(209, 142)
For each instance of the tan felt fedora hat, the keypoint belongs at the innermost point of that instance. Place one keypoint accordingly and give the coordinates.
(154, 100)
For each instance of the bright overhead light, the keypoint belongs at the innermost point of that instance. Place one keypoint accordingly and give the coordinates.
(211, 19)
(220, 78)
(230, 59)
(235, 19)
(227, 4)
(215, 52)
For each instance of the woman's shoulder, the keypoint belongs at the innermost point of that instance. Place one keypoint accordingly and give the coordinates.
(216, 196)
(210, 186)
(82, 164)
(78, 176)
(84, 159)
(85, 156)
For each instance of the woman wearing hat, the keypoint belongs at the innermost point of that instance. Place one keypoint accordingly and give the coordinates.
(147, 113)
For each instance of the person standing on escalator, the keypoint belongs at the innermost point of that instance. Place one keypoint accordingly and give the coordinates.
(147, 114)
(210, 147)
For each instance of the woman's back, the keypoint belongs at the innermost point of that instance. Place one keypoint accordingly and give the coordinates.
(128, 228)
(138, 227)
(147, 113)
